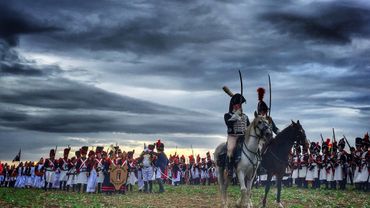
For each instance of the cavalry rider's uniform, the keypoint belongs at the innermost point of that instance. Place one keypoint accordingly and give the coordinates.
(63, 168)
(262, 109)
(236, 122)
(50, 167)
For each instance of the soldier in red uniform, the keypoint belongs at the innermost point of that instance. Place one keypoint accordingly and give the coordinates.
(63, 168)
(50, 167)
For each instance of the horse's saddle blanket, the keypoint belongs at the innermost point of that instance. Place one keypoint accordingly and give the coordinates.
(221, 160)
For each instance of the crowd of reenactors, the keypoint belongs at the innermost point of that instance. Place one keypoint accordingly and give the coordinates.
(89, 170)
(329, 165)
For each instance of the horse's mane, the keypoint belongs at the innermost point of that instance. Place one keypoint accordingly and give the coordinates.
(249, 128)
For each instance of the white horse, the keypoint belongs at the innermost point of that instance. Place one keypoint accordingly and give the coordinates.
(256, 134)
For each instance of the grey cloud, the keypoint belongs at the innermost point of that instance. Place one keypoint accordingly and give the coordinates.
(331, 22)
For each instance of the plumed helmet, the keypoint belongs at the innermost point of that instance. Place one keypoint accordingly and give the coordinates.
(159, 145)
(262, 107)
(236, 99)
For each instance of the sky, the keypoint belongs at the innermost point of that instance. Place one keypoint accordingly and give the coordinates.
(129, 72)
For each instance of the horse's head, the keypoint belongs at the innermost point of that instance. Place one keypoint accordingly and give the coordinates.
(262, 127)
(300, 133)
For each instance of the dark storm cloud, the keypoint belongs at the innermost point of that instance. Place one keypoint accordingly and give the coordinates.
(333, 21)
(14, 23)
(316, 54)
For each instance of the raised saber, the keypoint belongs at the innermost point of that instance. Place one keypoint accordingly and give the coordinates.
(241, 83)
(270, 95)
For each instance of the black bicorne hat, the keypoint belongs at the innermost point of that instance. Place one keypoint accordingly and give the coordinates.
(236, 99)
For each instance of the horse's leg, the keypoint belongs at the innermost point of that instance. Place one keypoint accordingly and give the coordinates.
(243, 200)
(249, 184)
(278, 184)
(267, 189)
(223, 186)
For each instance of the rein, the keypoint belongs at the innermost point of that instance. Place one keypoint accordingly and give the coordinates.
(255, 154)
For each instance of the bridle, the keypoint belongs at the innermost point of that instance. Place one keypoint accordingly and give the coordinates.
(256, 154)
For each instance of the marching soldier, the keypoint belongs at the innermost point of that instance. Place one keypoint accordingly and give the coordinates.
(357, 161)
(72, 172)
(161, 163)
(296, 165)
(147, 158)
(63, 168)
(99, 166)
(50, 167)
(81, 170)
(341, 165)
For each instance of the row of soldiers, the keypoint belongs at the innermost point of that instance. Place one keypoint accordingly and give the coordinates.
(333, 166)
(89, 171)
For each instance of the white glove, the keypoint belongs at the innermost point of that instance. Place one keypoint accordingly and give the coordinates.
(235, 117)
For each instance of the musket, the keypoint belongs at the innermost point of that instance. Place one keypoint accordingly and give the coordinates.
(192, 151)
(322, 139)
(270, 95)
(334, 135)
(347, 141)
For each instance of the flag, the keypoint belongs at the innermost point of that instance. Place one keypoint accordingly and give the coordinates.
(18, 156)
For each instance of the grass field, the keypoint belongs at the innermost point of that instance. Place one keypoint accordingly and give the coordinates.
(181, 196)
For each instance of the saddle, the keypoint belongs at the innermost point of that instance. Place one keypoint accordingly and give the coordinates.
(222, 157)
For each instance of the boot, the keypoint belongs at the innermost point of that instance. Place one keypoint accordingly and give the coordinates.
(145, 187)
(150, 186)
(160, 183)
(50, 186)
(64, 185)
(99, 187)
(84, 188)
(45, 186)
(230, 166)
(61, 185)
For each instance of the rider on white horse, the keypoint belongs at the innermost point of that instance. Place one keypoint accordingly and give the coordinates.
(236, 122)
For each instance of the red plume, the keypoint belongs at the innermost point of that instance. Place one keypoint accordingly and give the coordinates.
(158, 142)
(261, 93)
(327, 141)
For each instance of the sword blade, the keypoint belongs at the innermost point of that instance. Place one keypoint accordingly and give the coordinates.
(270, 95)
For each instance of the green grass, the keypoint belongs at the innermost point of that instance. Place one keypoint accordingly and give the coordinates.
(181, 196)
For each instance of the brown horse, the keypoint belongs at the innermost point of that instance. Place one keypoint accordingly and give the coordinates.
(275, 159)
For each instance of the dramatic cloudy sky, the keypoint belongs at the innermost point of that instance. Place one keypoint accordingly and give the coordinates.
(99, 72)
